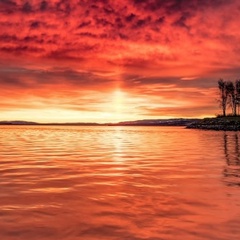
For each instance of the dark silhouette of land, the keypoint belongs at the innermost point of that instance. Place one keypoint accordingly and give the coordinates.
(229, 102)
(146, 122)
(228, 123)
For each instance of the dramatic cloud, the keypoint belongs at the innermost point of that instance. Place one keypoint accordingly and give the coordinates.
(74, 55)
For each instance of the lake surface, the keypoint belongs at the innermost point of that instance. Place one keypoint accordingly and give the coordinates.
(134, 183)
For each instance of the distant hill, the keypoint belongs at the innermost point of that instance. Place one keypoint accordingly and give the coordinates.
(158, 122)
(145, 122)
(17, 123)
(35, 123)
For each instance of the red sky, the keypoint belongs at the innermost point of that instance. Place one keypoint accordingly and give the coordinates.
(114, 60)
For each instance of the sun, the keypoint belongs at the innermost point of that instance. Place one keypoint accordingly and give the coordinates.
(118, 102)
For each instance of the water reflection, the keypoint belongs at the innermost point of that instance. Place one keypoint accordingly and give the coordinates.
(115, 183)
(118, 141)
(232, 155)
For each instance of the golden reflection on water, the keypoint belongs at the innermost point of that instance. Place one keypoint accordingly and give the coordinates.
(118, 139)
(118, 183)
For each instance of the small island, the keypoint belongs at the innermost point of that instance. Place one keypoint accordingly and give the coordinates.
(229, 99)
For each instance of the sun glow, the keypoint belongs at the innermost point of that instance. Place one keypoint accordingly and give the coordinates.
(118, 99)
(116, 108)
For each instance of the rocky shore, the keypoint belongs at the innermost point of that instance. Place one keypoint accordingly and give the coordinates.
(218, 123)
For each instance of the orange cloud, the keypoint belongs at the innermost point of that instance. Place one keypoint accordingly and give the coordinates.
(165, 56)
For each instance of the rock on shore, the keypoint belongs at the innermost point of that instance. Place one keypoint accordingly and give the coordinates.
(218, 123)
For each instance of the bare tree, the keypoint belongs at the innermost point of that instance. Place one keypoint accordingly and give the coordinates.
(231, 96)
(237, 86)
(223, 95)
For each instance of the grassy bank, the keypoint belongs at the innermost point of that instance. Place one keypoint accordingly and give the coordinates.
(228, 123)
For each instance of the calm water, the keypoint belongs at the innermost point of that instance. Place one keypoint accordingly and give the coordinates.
(134, 183)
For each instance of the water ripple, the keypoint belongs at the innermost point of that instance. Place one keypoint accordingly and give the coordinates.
(118, 183)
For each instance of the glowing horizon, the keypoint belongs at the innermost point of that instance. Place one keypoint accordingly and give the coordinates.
(110, 61)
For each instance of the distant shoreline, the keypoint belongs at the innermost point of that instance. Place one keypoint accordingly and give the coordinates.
(147, 122)
(216, 123)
